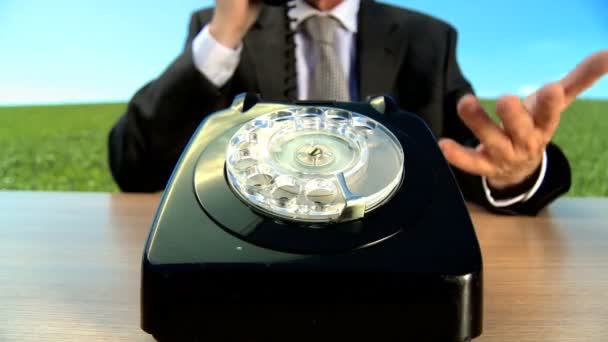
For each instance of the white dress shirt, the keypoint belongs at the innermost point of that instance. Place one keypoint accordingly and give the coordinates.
(218, 63)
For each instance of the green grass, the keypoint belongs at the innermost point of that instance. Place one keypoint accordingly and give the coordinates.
(583, 135)
(64, 148)
(56, 147)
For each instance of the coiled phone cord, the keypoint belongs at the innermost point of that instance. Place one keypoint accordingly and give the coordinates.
(291, 73)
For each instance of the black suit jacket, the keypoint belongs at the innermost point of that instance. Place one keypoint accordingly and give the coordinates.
(406, 54)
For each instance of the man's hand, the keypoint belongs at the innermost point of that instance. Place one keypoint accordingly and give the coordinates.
(232, 19)
(510, 152)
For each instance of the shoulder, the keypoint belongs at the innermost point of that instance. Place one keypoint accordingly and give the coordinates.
(202, 16)
(415, 21)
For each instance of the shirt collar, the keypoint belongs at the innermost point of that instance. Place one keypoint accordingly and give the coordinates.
(346, 13)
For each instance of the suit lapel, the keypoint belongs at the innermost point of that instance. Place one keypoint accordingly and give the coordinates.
(381, 46)
(264, 46)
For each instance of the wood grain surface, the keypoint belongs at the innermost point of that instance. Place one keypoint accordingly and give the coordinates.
(70, 268)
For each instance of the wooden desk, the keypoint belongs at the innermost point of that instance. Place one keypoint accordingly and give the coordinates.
(70, 267)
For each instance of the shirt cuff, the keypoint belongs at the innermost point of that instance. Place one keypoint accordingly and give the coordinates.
(214, 60)
(520, 198)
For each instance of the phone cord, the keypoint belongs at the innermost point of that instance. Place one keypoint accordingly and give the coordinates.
(291, 73)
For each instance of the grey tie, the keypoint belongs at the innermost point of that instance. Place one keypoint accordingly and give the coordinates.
(327, 80)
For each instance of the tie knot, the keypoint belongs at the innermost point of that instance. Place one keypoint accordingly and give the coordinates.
(322, 29)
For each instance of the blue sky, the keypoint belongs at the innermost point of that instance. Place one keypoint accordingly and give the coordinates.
(91, 51)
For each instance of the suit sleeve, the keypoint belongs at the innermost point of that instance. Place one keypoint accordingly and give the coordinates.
(146, 142)
(557, 178)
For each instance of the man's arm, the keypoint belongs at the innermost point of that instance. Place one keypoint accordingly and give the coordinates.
(528, 196)
(147, 140)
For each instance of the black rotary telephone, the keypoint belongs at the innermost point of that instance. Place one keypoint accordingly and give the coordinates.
(312, 221)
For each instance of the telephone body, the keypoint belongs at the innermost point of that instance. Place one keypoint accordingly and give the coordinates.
(280, 235)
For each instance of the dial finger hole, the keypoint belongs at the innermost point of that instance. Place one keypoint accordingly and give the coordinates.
(338, 116)
(309, 118)
(321, 192)
(257, 180)
(310, 112)
(243, 159)
(286, 191)
(281, 116)
(364, 125)
(257, 124)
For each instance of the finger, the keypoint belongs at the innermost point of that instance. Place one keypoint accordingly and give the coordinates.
(585, 74)
(516, 120)
(546, 113)
(479, 122)
(466, 158)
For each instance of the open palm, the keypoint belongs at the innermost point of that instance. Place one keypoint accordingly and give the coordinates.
(512, 150)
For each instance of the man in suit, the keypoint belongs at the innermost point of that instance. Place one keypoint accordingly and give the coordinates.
(373, 49)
